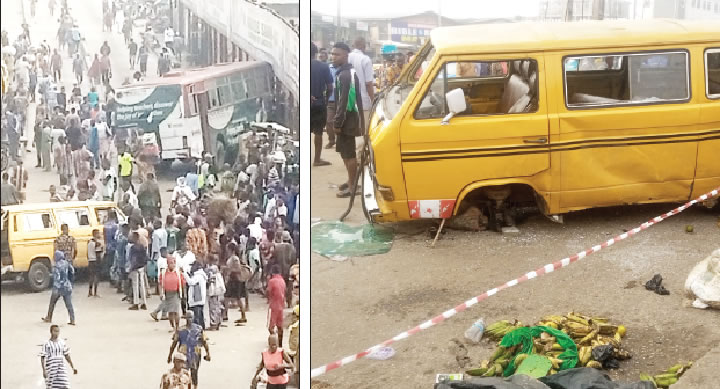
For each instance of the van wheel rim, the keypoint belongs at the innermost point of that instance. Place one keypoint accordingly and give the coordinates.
(37, 277)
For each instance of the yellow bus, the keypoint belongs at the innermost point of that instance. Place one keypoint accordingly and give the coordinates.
(563, 116)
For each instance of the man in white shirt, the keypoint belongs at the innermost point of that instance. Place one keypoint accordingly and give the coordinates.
(364, 70)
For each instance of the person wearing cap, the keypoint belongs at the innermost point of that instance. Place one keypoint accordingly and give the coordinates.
(178, 377)
(190, 340)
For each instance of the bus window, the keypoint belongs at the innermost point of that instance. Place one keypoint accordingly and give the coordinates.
(712, 73)
(226, 97)
(194, 104)
(238, 90)
(627, 79)
(251, 86)
(215, 98)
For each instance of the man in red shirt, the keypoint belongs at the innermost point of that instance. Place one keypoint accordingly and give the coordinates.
(171, 288)
(276, 297)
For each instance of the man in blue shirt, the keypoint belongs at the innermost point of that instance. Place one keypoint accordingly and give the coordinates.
(321, 88)
(62, 277)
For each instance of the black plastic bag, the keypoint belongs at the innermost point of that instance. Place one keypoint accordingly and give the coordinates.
(589, 378)
(606, 356)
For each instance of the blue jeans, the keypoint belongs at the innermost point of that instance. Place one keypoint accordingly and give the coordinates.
(67, 298)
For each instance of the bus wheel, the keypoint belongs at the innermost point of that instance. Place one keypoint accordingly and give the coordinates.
(38, 277)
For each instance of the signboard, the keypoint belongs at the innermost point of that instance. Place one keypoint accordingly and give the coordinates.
(409, 32)
(361, 26)
(146, 107)
(259, 31)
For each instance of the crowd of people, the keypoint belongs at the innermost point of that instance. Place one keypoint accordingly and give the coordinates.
(231, 227)
(343, 86)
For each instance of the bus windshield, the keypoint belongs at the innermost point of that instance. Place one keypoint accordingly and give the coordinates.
(396, 95)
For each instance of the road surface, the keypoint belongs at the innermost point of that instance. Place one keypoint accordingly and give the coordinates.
(360, 302)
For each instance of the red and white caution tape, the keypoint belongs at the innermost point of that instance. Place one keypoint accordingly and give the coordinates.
(549, 268)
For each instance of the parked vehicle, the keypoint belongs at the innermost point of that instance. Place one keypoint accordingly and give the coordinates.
(29, 230)
(562, 116)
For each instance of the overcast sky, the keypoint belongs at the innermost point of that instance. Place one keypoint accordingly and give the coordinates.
(456, 9)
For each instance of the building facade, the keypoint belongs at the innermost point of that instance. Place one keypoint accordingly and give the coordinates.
(217, 31)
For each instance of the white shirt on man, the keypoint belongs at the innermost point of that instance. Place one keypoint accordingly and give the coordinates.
(364, 70)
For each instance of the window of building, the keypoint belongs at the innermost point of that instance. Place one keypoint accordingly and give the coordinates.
(643, 78)
(712, 73)
(490, 88)
(37, 221)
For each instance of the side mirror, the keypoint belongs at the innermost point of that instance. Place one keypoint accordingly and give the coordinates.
(456, 103)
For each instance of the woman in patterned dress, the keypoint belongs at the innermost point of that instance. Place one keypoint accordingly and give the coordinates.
(52, 357)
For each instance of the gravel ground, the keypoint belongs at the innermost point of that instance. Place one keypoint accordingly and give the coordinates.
(363, 301)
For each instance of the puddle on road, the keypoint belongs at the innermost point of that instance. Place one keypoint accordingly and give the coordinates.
(339, 241)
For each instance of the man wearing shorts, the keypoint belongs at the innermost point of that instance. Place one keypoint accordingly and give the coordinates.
(348, 118)
(276, 297)
(321, 88)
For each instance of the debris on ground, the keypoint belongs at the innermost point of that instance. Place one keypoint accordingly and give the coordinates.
(340, 241)
(564, 341)
(655, 284)
(382, 354)
(475, 332)
(703, 282)
(471, 220)
(669, 376)
(578, 378)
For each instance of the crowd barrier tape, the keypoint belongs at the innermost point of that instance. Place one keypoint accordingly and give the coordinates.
(549, 268)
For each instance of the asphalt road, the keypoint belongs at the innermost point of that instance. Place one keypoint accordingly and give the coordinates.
(112, 347)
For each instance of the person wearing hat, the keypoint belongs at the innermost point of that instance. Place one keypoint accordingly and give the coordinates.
(178, 377)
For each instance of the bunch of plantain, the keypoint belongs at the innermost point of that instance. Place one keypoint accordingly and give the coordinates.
(588, 332)
(496, 331)
(669, 377)
(499, 360)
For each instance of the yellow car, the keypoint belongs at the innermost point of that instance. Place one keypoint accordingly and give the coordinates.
(29, 230)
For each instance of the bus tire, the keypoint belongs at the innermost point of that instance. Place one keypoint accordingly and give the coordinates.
(38, 276)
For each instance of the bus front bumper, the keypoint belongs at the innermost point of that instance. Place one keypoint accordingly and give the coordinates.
(369, 201)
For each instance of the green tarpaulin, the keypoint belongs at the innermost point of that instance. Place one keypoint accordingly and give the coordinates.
(338, 240)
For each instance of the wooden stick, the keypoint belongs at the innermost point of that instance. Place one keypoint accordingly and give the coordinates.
(438, 233)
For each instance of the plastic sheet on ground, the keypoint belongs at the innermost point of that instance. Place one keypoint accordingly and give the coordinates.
(580, 378)
(337, 240)
(703, 282)
(585, 377)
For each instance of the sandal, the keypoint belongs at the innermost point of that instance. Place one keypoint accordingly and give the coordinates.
(330, 145)
(321, 163)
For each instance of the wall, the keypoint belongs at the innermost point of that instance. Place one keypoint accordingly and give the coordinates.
(259, 31)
